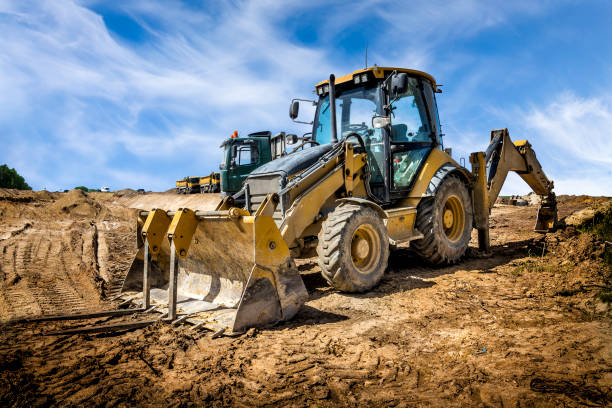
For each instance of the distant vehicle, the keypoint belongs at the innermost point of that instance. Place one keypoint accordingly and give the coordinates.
(104, 189)
(181, 185)
(242, 155)
(140, 191)
(188, 185)
(210, 183)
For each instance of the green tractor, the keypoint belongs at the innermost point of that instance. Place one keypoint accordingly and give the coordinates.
(242, 155)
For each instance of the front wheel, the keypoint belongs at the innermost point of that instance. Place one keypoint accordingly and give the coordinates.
(353, 248)
(445, 221)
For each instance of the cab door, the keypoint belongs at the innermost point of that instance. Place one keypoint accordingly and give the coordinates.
(412, 137)
(245, 159)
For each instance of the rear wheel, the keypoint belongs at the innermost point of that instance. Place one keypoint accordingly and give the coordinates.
(446, 223)
(353, 248)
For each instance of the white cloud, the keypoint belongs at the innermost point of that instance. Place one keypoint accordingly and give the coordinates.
(93, 106)
(571, 137)
(579, 128)
(65, 76)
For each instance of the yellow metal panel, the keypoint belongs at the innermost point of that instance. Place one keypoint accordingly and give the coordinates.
(436, 159)
(379, 72)
(270, 248)
(480, 193)
(521, 142)
(400, 224)
(181, 230)
(155, 228)
(353, 163)
(268, 205)
(306, 208)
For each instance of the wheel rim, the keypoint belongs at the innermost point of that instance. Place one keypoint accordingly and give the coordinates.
(453, 218)
(365, 248)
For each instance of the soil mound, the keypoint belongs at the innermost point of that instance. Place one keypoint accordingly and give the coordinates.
(126, 192)
(24, 196)
(527, 326)
(571, 246)
(77, 203)
(596, 218)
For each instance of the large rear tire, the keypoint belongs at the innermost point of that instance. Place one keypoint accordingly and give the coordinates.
(353, 248)
(445, 220)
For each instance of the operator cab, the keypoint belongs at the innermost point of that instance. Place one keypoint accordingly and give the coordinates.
(240, 152)
(394, 112)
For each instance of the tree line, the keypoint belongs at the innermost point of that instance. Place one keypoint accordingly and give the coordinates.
(9, 178)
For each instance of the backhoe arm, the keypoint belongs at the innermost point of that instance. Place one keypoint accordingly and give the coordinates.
(503, 156)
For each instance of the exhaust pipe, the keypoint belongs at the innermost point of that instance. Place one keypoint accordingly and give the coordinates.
(332, 105)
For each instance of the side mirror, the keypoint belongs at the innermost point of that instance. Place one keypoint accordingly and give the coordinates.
(291, 139)
(294, 109)
(399, 83)
(379, 122)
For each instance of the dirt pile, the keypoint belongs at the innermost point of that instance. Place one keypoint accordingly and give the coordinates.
(524, 327)
(126, 192)
(60, 252)
(532, 199)
(169, 201)
(24, 196)
(76, 203)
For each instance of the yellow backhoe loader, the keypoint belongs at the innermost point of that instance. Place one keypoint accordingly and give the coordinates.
(379, 179)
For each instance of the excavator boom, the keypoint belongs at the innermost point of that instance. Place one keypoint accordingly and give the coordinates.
(490, 170)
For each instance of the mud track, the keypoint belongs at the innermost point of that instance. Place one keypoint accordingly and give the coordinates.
(524, 327)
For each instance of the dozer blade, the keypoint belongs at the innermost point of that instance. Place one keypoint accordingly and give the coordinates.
(234, 268)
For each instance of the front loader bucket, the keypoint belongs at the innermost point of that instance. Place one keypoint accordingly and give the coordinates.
(234, 270)
(224, 269)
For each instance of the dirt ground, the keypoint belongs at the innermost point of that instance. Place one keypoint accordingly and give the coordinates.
(523, 327)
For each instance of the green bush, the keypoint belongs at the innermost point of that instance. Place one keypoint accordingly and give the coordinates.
(87, 190)
(9, 178)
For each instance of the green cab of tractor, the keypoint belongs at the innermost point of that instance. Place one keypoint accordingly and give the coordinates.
(242, 155)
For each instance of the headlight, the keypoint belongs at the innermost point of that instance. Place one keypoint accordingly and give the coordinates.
(356, 79)
(364, 77)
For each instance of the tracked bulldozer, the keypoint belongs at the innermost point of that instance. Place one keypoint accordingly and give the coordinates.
(378, 178)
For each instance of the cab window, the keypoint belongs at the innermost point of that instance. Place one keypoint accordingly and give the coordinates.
(409, 116)
(246, 154)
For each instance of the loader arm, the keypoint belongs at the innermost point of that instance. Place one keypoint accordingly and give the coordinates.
(341, 168)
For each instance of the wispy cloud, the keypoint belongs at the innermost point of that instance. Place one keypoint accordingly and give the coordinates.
(93, 107)
(576, 127)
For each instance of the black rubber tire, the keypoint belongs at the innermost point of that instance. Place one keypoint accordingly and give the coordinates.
(334, 248)
(435, 247)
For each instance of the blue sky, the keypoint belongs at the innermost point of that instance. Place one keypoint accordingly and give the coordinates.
(140, 93)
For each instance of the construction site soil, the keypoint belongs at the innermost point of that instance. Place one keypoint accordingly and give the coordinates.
(526, 326)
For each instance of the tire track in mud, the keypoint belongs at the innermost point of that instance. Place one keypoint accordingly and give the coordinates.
(115, 252)
(40, 267)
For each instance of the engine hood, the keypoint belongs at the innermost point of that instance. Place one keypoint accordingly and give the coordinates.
(293, 163)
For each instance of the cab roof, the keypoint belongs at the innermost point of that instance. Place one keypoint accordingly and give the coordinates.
(381, 72)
